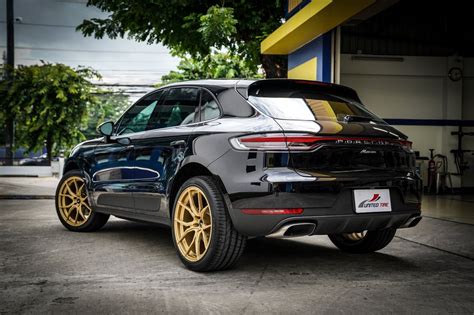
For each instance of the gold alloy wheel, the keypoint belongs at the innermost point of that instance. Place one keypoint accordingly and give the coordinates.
(192, 223)
(72, 201)
(356, 236)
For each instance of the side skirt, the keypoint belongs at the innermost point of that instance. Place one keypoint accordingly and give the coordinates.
(137, 217)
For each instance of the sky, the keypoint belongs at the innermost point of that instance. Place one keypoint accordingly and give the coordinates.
(47, 32)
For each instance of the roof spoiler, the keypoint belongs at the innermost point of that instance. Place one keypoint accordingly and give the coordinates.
(318, 86)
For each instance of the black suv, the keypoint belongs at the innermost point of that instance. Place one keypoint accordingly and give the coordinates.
(224, 160)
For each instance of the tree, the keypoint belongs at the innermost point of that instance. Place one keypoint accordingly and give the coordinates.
(213, 66)
(48, 103)
(110, 106)
(195, 27)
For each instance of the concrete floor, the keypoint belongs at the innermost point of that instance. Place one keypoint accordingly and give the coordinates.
(132, 268)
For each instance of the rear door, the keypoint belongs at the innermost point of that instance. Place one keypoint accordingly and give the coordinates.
(160, 150)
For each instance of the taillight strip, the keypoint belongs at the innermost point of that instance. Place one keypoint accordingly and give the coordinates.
(311, 139)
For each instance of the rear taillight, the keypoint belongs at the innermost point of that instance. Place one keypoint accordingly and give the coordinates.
(301, 142)
(406, 144)
(276, 142)
(272, 211)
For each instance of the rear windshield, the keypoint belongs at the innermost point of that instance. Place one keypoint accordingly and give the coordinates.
(309, 105)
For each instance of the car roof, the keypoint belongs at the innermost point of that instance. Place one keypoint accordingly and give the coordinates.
(214, 84)
(242, 85)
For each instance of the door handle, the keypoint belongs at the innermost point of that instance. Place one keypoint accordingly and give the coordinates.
(125, 141)
(178, 143)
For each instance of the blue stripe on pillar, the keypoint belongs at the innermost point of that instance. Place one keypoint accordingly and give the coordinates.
(319, 48)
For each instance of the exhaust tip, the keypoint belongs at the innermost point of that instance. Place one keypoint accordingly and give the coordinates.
(411, 222)
(294, 230)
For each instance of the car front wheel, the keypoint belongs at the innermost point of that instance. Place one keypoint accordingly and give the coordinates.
(203, 234)
(73, 207)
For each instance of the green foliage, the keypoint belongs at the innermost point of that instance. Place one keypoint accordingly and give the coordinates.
(193, 27)
(215, 66)
(109, 107)
(48, 103)
(218, 26)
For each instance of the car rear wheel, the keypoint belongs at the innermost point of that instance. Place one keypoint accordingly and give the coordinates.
(363, 242)
(203, 234)
(73, 207)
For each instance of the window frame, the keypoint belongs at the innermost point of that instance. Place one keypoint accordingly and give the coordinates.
(217, 102)
(164, 91)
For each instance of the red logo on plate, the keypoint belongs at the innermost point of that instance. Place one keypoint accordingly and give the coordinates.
(372, 202)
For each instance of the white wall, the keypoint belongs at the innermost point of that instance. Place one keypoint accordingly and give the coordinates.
(415, 88)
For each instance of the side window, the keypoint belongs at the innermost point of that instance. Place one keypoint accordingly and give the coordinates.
(180, 107)
(137, 118)
(209, 108)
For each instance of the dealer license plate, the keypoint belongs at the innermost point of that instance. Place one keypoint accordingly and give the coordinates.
(372, 200)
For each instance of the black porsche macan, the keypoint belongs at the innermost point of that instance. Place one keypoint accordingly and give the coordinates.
(221, 161)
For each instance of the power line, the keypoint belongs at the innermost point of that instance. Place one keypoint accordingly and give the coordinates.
(154, 70)
(42, 24)
(87, 60)
(91, 50)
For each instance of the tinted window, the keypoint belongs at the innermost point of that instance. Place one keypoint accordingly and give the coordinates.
(209, 108)
(137, 118)
(305, 104)
(180, 107)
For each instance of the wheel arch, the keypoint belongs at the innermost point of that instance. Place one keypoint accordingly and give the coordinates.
(186, 172)
(70, 166)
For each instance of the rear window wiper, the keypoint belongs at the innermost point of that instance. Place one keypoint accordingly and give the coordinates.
(351, 118)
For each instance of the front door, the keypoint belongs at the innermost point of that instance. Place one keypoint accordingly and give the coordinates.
(114, 171)
(160, 150)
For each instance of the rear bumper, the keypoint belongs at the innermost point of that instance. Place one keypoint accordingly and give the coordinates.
(332, 213)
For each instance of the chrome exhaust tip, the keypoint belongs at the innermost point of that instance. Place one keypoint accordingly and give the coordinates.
(411, 222)
(294, 230)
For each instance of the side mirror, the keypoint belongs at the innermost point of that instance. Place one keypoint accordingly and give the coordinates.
(106, 128)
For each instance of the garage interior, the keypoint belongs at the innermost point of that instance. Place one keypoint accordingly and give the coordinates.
(412, 63)
(414, 67)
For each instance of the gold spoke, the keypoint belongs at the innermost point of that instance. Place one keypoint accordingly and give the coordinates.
(205, 227)
(186, 233)
(197, 244)
(184, 223)
(205, 239)
(199, 196)
(80, 212)
(71, 193)
(68, 205)
(203, 211)
(186, 208)
(191, 203)
(69, 212)
(191, 245)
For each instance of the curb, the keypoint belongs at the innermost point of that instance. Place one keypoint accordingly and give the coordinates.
(26, 197)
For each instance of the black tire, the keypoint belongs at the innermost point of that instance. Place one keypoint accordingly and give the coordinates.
(226, 244)
(95, 220)
(373, 241)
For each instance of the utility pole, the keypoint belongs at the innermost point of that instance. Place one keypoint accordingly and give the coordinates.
(10, 124)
